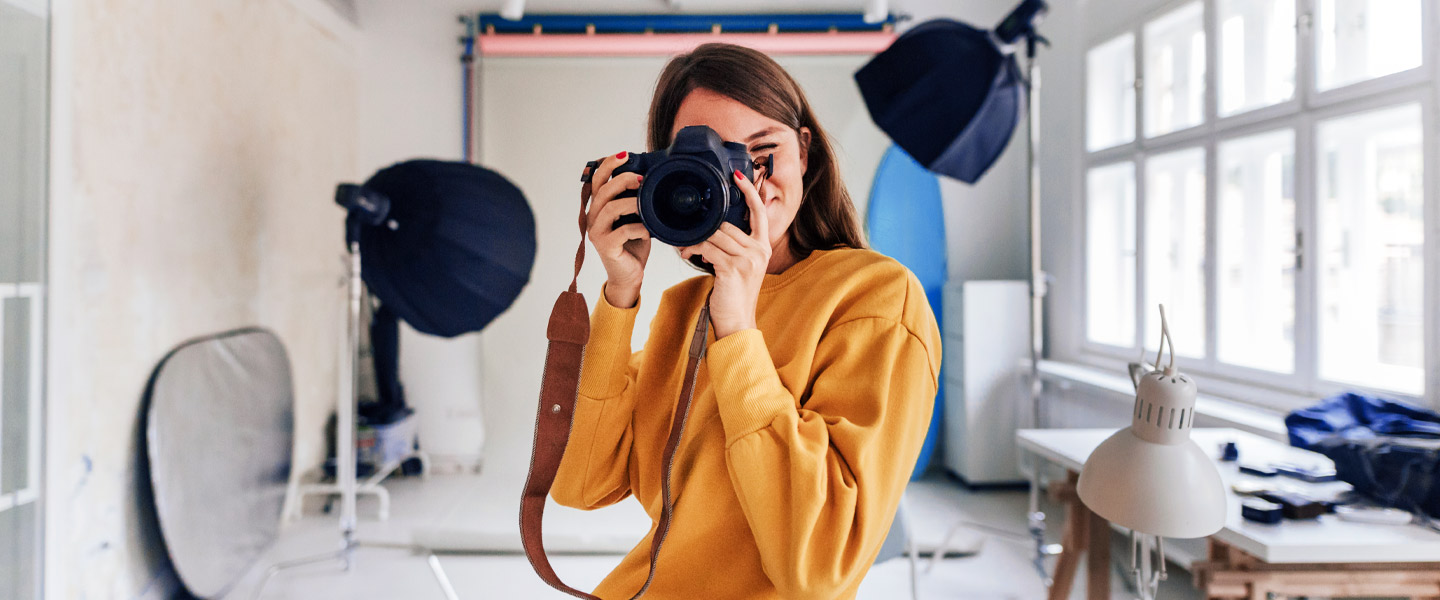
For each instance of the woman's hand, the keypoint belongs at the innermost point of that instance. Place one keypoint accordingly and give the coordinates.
(740, 262)
(625, 250)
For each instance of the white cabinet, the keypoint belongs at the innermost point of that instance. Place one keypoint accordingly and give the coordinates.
(986, 338)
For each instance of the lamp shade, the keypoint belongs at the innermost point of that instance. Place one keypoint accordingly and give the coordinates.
(1150, 477)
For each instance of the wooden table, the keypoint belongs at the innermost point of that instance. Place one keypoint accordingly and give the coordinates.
(1323, 557)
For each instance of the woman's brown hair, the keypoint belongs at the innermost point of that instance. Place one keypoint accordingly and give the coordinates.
(826, 218)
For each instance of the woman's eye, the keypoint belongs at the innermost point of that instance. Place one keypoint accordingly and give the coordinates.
(763, 147)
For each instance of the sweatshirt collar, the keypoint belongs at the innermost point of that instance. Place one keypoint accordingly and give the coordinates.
(779, 280)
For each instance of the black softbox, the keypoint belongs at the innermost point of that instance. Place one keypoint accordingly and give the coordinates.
(947, 95)
(447, 246)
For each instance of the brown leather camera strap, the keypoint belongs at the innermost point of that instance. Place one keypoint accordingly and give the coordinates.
(568, 332)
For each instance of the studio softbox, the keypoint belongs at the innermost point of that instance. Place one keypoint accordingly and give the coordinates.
(947, 95)
(447, 246)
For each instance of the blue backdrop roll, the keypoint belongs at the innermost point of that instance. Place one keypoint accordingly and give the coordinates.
(906, 221)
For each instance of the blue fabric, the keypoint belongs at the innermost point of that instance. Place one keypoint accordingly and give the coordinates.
(906, 221)
(1358, 417)
(1388, 450)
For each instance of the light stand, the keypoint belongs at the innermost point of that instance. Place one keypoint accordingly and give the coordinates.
(1037, 297)
(1020, 23)
(933, 91)
(460, 239)
(360, 207)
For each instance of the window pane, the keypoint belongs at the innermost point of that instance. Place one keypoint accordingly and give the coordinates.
(1257, 53)
(1175, 249)
(1110, 255)
(1255, 249)
(1175, 71)
(19, 566)
(16, 400)
(1371, 240)
(1362, 39)
(1110, 93)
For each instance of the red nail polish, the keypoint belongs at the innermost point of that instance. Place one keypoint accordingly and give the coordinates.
(639, 178)
(621, 154)
(737, 173)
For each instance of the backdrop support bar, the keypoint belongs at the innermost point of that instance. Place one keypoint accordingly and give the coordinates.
(668, 44)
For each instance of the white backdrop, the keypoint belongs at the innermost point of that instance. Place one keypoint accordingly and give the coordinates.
(540, 120)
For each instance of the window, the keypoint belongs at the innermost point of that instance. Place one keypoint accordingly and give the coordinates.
(1371, 238)
(1175, 249)
(1175, 71)
(1363, 39)
(1281, 219)
(1257, 53)
(1111, 89)
(1110, 254)
(1257, 254)
(24, 98)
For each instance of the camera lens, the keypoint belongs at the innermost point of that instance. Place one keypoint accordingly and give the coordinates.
(686, 200)
(683, 200)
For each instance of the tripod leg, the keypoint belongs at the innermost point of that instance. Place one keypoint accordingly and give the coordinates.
(384, 496)
(441, 578)
(340, 556)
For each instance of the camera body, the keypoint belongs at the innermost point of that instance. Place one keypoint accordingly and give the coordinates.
(688, 190)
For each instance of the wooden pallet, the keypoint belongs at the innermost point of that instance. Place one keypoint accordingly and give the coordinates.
(1231, 573)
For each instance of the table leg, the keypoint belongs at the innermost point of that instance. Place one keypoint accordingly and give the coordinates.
(1098, 563)
(1074, 539)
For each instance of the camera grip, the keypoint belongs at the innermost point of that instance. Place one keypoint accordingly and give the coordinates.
(625, 220)
(629, 218)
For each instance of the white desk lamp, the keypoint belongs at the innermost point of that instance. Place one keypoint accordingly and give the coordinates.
(1150, 477)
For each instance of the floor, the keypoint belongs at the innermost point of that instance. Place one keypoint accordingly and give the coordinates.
(449, 509)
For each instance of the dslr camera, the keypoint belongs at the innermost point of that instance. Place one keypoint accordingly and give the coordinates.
(688, 190)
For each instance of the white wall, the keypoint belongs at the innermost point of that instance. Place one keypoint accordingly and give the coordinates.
(195, 150)
(410, 107)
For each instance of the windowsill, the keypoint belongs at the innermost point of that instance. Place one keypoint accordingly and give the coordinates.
(1267, 423)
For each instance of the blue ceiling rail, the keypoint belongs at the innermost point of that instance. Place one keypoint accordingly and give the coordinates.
(679, 23)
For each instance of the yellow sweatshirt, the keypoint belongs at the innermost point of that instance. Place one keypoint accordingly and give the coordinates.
(801, 436)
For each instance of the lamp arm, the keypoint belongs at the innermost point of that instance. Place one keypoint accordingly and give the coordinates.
(1143, 564)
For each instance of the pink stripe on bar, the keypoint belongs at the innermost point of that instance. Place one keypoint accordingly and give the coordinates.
(666, 44)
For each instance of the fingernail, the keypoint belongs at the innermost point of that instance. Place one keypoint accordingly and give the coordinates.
(639, 178)
(621, 154)
(737, 173)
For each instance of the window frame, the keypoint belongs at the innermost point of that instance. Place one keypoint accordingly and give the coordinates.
(1302, 114)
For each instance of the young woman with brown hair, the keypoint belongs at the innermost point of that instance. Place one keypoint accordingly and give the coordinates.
(813, 399)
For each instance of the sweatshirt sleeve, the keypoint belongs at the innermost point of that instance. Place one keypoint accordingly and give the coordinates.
(595, 470)
(819, 485)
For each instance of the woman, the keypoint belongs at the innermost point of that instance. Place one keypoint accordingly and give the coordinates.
(813, 399)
